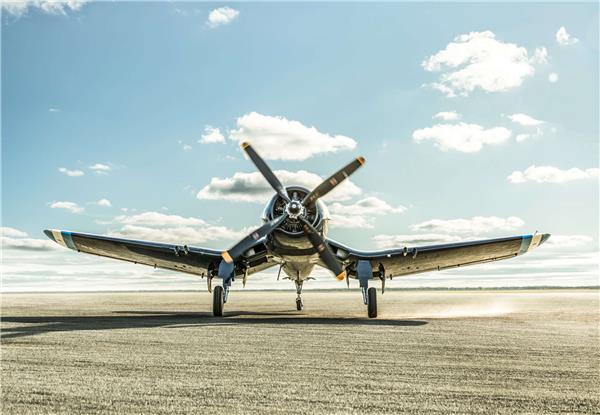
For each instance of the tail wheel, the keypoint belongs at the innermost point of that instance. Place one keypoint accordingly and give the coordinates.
(372, 302)
(299, 305)
(218, 301)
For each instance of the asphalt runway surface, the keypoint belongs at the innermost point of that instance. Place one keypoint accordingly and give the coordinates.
(535, 351)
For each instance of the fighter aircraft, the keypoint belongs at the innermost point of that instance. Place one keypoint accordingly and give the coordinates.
(294, 237)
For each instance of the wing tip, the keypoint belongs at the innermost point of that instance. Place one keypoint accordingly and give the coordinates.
(341, 276)
(245, 145)
(361, 160)
(49, 234)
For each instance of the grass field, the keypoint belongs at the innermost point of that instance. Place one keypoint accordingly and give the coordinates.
(429, 351)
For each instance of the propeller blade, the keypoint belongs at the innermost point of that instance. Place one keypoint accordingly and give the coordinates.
(247, 243)
(324, 251)
(332, 181)
(266, 171)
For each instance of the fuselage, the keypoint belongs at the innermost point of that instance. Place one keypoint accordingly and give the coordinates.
(288, 241)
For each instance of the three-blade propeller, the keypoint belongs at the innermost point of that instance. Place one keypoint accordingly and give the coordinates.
(315, 238)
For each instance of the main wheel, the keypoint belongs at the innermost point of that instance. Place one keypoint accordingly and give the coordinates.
(299, 305)
(372, 302)
(218, 301)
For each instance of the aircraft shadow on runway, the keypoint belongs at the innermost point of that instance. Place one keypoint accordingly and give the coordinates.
(151, 319)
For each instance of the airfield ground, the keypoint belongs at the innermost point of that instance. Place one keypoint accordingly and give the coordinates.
(429, 351)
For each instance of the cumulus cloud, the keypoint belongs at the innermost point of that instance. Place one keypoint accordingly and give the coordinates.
(277, 138)
(361, 213)
(467, 138)
(529, 123)
(222, 16)
(550, 174)
(525, 120)
(211, 135)
(553, 77)
(19, 8)
(160, 227)
(477, 60)
(447, 115)
(398, 241)
(11, 238)
(100, 168)
(252, 187)
(70, 206)
(70, 173)
(475, 225)
(104, 203)
(563, 37)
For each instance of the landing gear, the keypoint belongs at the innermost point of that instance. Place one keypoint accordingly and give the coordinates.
(218, 301)
(372, 302)
(220, 293)
(299, 303)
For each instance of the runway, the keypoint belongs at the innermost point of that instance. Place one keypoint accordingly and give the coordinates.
(533, 351)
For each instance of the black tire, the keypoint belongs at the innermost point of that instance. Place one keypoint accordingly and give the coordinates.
(299, 305)
(372, 302)
(218, 301)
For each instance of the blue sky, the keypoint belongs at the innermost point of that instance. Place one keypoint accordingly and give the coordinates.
(119, 95)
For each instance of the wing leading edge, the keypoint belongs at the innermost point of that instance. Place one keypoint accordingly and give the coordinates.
(192, 260)
(406, 261)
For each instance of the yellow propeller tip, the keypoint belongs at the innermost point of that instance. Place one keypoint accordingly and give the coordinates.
(245, 144)
(341, 276)
(227, 257)
(361, 160)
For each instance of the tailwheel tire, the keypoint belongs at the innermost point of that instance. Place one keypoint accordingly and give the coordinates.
(372, 302)
(218, 301)
(299, 305)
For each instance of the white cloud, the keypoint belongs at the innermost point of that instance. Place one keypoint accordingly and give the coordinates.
(252, 187)
(211, 135)
(399, 241)
(71, 173)
(563, 38)
(53, 109)
(447, 115)
(184, 146)
(12, 238)
(525, 120)
(277, 138)
(70, 206)
(553, 77)
(467, 138)
(550, 174)
(477, 60)
(12, 232)
(361, 213)
(100, 168)
(160, 227)
(570, 241)
(222, 16)
(19, 8)
(476, 225)
(522, 137)
(350, 222)
(104, 203)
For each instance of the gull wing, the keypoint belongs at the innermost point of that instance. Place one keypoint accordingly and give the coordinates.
(192, 260)
(411, 260)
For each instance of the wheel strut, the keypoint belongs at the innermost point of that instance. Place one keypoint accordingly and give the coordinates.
(299, 302)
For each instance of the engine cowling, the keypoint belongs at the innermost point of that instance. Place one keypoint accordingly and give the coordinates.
(317, 215)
